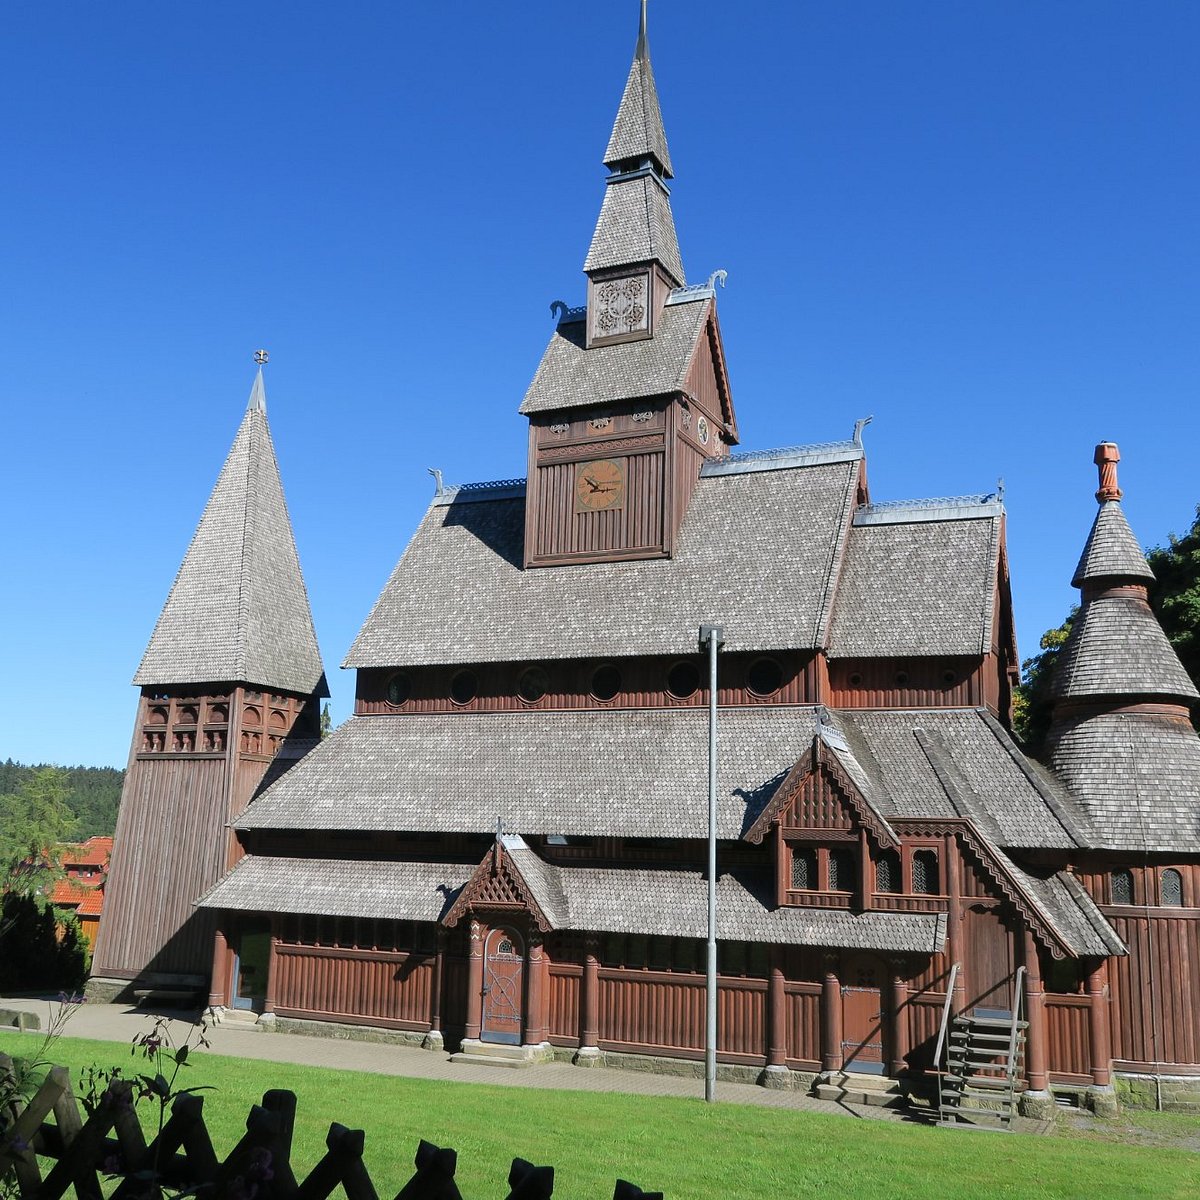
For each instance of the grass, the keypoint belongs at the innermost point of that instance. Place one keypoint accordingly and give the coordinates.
(682, 1147)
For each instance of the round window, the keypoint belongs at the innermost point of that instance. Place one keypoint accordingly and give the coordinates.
(949, 677)
(765, 677)
(463, 687)
(855, 679)
(399, 689)
(606, 682)
(532, 685)
(901, 678)
(683, 680)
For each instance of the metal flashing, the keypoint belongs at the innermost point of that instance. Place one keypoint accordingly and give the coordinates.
(936, 508)
(474, 493)
(817, 454)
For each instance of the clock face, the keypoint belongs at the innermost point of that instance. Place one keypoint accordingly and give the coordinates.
(599, 485)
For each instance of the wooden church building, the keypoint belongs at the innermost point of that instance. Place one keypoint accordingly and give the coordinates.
(505, 846)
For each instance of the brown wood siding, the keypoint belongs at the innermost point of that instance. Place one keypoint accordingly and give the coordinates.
(701, 385)
(643, 685)
(989, 965)
(802, 1009)
(564, 1003)
(949, 682)
(1155, 1017)
(820, 804)
(1068, 1038)
(170, 846)
(374, 987)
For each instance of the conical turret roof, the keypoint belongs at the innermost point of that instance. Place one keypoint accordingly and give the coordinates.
(1111, 552)
(238, 610)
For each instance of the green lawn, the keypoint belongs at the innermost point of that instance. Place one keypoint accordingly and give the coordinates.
(681, 1147)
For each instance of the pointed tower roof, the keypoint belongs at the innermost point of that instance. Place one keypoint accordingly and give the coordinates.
(638, 132)
(238, 610)
(636, 224)
(1111, 552)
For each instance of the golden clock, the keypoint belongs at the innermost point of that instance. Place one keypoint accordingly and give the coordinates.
(599, 485)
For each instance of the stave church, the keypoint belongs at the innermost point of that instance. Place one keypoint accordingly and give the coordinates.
(502, 854)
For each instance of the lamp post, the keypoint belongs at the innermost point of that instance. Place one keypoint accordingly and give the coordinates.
(712, 637)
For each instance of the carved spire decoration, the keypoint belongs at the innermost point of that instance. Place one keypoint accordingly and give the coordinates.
(258, 392)
(1106, 458)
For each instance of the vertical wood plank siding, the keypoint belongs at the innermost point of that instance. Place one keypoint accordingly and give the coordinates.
(955, 682)
(1068, 1038)
(374, 987)
(803, 1018)
(564, 1003)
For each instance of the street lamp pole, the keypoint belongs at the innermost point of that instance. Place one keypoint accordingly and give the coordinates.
(712, 637)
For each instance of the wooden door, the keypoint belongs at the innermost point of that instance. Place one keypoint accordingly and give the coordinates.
(863, 1017)
(251, 964)
(503, 986)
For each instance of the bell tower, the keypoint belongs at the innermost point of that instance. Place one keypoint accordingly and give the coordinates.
(230, 686)
(631, 395)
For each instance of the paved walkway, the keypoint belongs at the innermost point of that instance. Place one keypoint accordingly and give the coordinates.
(241, 1039)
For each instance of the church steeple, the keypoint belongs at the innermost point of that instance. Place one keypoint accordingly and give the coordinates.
(636, 228)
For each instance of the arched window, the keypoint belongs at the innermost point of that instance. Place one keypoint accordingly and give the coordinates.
(887, 872)
(1121, 887)
(804, 869)
(1171, 886)
(925, 873)
(841, 871)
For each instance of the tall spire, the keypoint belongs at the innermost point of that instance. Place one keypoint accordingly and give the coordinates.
(238, 610)
(636, 224)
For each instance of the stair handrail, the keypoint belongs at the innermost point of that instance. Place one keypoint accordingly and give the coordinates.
(1018, 997)
(941, 1039)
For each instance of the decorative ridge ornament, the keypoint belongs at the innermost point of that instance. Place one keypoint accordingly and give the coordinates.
(1106, 458)
(258, 391)
(859, 426)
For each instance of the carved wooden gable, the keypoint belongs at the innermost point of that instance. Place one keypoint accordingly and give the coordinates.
(818, 797)
(496, 886)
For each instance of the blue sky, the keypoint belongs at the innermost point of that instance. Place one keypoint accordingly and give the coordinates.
(977, 222)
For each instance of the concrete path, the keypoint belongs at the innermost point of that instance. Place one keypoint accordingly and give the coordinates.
(241, 1039)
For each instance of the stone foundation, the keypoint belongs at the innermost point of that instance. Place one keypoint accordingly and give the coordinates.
(349, 1033)
(1173, 1093)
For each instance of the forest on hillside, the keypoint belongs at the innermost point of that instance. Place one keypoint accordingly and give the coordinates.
(92, 794)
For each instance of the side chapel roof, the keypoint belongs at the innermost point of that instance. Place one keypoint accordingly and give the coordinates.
(238, 610)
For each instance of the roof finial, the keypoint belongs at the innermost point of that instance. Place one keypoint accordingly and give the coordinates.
(642, 44)
(1106, 458)
(258, 393)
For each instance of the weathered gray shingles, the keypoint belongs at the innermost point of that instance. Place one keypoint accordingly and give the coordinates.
(1137, 776)
(635, 225)
(393, 891)
(995, 790)
(769, 594)
(1068, 909)
(570, 376)
(1117, 647)
(920, 588)
(1111, 551)
(238, 610)
(540, 773)
(638, 129)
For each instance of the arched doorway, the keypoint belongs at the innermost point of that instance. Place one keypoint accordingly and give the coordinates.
(863, 1016)
(503, 986)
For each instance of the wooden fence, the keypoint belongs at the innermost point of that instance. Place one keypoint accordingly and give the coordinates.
(105, 1153)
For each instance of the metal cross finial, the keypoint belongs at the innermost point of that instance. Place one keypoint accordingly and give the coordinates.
(261, 357)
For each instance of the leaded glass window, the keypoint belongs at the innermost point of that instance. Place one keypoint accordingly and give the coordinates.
(925, 873)
(804, 869)
(1172, 888)
(841, 871)
(1121, 886)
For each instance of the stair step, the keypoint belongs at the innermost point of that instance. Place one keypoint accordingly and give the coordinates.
(979, 1094)
(980, 1081)
(989, 1022)
(489, 1060)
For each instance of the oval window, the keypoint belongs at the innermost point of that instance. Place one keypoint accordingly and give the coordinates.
(533, 685)
(399, 689)
(463, 687)
(765, 677)
(606, 682)
(683, 680)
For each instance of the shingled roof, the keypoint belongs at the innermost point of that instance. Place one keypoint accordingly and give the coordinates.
(918, 579)
(572, 376)
(1116, 647)
(1111, 551)
(635, 225)
(774, 593)
(1136, 775)
(638, 131)
(238, 610)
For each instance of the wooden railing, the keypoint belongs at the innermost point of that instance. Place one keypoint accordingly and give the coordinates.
(181, 1160)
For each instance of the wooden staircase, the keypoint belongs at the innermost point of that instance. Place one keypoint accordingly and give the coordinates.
(984, 1064)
